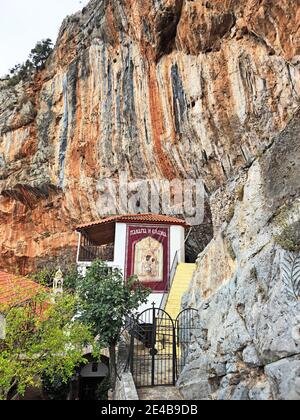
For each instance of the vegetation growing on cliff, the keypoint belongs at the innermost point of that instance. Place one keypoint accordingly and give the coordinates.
(288, 237)
(36, 61)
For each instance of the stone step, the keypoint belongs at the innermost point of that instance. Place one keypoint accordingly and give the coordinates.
(160, 393)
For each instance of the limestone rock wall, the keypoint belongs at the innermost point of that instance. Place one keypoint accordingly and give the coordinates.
(247, 286)
(157, 88)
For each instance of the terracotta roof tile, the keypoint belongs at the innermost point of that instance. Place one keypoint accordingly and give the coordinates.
(15, 290)
(136, 218)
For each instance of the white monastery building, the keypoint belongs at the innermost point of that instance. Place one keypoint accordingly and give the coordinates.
(146, 245)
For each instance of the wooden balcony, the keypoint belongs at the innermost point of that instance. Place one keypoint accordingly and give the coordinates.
(90, 253)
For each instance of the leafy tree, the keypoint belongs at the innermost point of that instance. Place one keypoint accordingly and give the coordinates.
(40, 53)
(71, 277)
(105, 301)
(36, 61)
(44, 277)
(42, 338)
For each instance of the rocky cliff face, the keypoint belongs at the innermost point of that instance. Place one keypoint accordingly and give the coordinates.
(159, 89)
(247, 287)
(172, 89)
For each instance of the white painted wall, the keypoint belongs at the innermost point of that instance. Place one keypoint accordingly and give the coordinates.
(87, 371)
(120, 246)
(154, 297)
(177, 238)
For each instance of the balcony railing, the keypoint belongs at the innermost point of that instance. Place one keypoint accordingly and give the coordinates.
(170, 281)
(90, 253)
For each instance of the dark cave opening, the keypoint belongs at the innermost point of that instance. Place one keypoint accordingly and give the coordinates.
(199, 236)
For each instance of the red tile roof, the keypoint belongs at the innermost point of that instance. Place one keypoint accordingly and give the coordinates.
(136, 218)
(16, 290)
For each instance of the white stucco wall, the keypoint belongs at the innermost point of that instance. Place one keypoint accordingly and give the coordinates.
(87, 371)
(120, 246)
(154, 297)
(177, 237)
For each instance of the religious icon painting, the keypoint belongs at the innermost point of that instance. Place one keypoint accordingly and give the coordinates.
(147, 255)
(149, 260)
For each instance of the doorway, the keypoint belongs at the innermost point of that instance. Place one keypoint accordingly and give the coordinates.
(91, 377)
(88, 389)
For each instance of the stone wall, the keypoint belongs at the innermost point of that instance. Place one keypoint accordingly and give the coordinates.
(247, 285)
(125, 388)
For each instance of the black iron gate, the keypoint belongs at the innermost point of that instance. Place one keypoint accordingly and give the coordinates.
(185, 326)
(159, 346)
